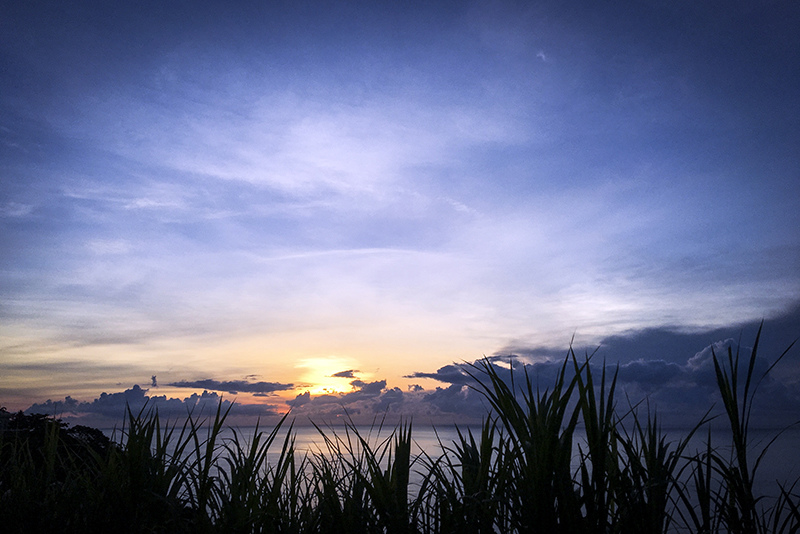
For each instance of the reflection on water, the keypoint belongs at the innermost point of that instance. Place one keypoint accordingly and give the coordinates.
(781, 463)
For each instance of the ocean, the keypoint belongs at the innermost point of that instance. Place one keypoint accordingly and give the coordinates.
(781, 462)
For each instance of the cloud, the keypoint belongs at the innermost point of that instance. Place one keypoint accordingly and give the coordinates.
(15, 209)
(243, 154)
(681, 389)
(300, 399)
(297, 144)
(654, 373)
(681, 384)
(366, 389)
(114, 405)
(367, 401)
(453, 374)
(393, 396)
(233, 386)
(458, 400)
(350, 373)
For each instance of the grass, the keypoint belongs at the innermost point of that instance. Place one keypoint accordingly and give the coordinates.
(519, 474)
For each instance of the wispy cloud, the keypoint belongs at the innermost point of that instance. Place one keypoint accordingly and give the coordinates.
(114, 247)
(300, 145)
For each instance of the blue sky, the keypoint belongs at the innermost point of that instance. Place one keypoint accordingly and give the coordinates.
(280, 192)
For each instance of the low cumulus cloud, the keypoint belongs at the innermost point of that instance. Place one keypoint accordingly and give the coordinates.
(367, 400)
(463, 397)
(670, 372)
(300, 400)
(233, 386)
(366, 389)
(114, 405)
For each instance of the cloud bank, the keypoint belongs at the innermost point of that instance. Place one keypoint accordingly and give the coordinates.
(665, 370)
(680, 389)
(112, 407)
(233, 386)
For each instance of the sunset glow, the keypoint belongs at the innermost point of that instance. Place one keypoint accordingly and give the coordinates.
(331, 208)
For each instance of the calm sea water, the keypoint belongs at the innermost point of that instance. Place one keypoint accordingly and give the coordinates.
(781, 463)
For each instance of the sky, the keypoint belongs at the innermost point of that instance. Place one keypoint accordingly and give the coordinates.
(290, 204)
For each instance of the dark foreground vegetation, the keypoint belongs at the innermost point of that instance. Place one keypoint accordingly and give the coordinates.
(520, 474)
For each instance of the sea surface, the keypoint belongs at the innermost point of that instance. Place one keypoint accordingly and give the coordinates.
(781, 462)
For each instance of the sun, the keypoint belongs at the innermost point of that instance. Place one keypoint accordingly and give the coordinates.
(318, 373)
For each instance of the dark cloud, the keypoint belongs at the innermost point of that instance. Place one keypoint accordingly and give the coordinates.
(656, 373)
(675, 375)
(233, 386)
(114, 405)
(452, 374)
(390, 398)
(673, 345)
(681, 384)
(326, 399)
(299, 400)
(458, 399)
(350, 373)
(531, 354)
(366, 389)
(368, 399)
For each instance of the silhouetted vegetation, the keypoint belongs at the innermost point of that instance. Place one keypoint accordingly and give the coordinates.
(527, 471)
